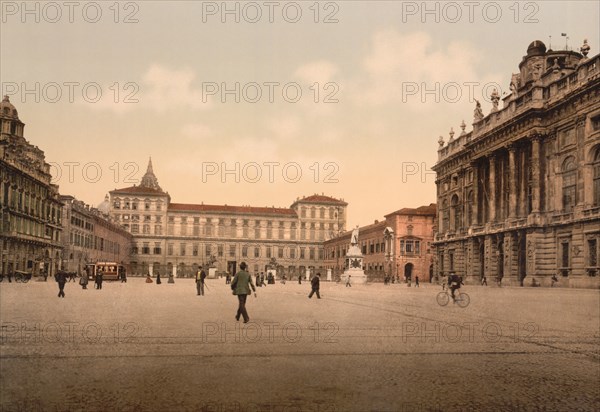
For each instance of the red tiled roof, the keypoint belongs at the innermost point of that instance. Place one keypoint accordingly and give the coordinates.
(139, 190)
(430, 210)
(321, 199)
(183, 207)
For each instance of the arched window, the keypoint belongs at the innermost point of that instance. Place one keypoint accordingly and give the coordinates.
(596, 166)
(445, 216)
(469, 221)
(569, 184)
(455, 216)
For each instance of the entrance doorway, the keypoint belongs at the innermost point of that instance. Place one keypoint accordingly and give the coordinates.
(408, 269)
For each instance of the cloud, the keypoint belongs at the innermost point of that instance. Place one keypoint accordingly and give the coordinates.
(411, 69)
(160, 89)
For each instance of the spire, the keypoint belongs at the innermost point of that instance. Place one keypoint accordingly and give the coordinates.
(149, 180)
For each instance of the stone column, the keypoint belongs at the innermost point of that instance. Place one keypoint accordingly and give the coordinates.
(512, 183)
(492, 188)
(475, 205)
(523, 201)
(535, 171)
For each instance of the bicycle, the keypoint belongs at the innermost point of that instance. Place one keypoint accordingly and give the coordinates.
(462, 299)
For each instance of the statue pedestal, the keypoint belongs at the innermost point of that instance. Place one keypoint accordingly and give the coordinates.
(357, 277)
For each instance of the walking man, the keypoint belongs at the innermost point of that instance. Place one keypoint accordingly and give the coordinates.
(241, 284)
(99, 279)
(416, 281)
(200, 276)
(483, 281)
(315, 286)
(61, 278)
(348, 284)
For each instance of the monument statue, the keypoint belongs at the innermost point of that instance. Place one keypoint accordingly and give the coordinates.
(354, 238)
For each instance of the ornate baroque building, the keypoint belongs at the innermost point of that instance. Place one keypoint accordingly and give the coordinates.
(30, 210)
(400, 245)
(519, 195)
(177, 238)
(90, 236)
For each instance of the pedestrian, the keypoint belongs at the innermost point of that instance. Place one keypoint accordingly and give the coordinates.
(149, 278)
(61, 278)
(283, 279)
(123, 275)
(228, 278)
(10, 275)
(554, 280)
(416, 281)
(262, 279)
(483, 281)
(200, 276)
(72, 276)
(242, 281)
(45, 275)
(257, 280)
(348, 283)
(171, 279)
(300, 279)
(158, 282)
(315, 286)
(99, 278)
(83, 280)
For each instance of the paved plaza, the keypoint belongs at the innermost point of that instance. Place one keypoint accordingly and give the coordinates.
(146, 347)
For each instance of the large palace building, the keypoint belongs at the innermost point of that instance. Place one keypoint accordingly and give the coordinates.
(178, 238)
(519, 195)
(30, 209)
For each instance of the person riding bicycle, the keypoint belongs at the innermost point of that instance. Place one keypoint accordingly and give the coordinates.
(454, 282)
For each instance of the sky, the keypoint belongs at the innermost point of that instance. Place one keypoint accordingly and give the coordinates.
(259, 103)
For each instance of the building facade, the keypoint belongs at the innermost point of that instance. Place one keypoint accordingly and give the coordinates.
(90, 236)
(400, 245)
(178, 238)
(30, 209)
(519, 195)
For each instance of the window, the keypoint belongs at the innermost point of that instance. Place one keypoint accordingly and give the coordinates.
(157, 249)
(135, 228)
(596, 167)
(292, 253)
(564, 257)
(269, 252)
(195, 249)
(220, 250)
(569, 184)
(455, 217)
(182, 249)
(146, 229)
(244, 251)
(312, 212)
(256, 252)
(322, 213)
(170, 249)
(592, 253)
(231, 250)
(146, 248)
(207, 250)
(302, 254)
(280, 253)
(311, 253)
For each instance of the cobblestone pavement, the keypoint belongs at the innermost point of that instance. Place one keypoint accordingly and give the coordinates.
(148, 347)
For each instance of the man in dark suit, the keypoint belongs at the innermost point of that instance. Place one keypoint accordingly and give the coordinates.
(200, 276)
(241, 284)
(315, 284)
(61, 278)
